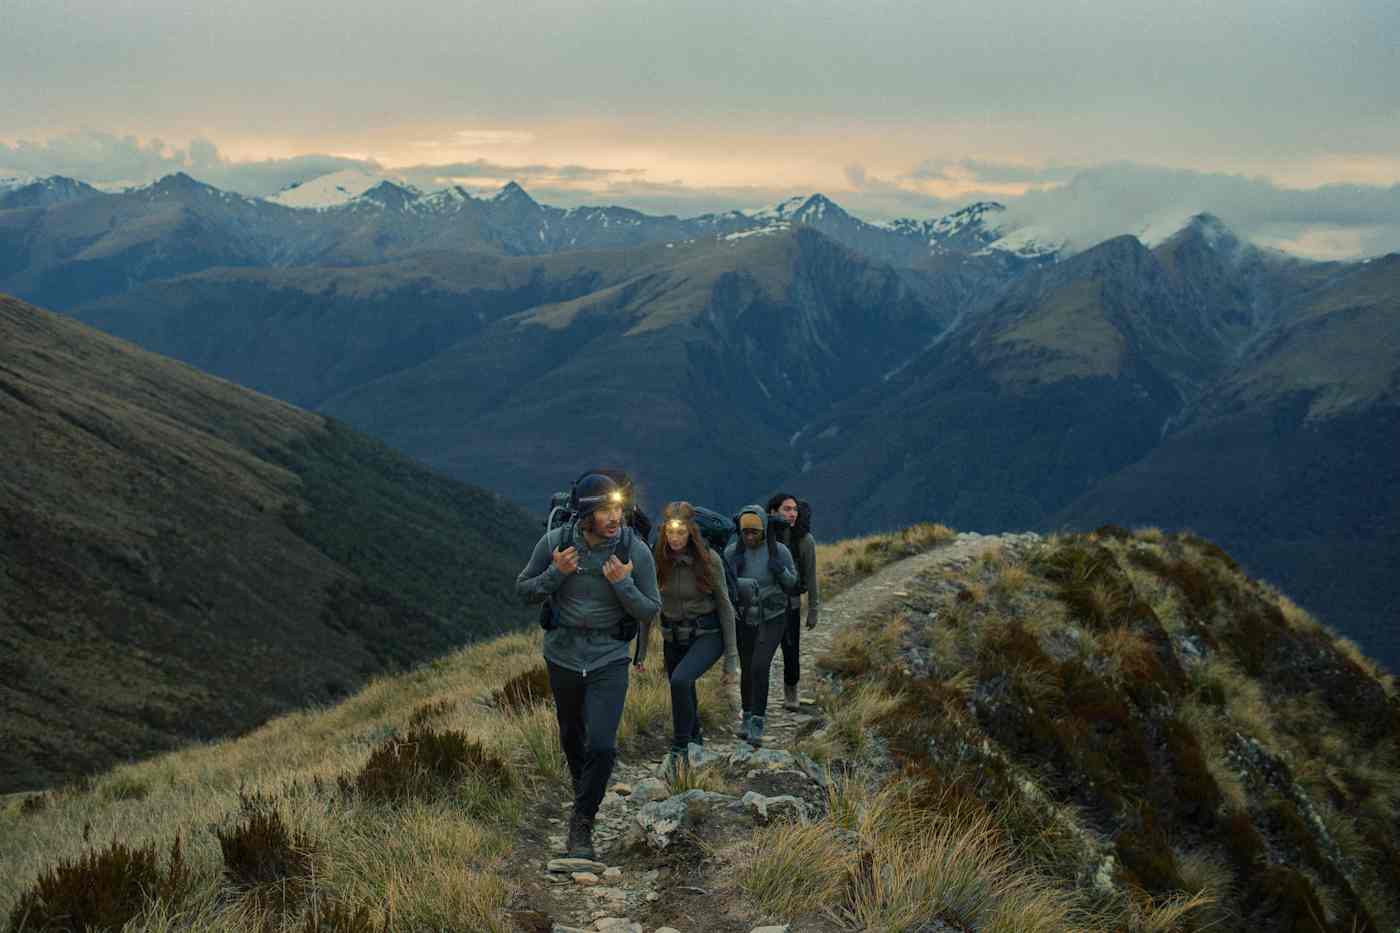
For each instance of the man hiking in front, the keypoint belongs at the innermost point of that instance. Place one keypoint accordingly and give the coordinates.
(601, 580)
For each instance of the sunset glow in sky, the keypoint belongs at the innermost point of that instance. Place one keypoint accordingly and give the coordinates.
(893, 107)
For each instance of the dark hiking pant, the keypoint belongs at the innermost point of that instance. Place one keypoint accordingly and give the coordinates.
(684, 666)
(589, 708)
(792, 642)
(757, 645)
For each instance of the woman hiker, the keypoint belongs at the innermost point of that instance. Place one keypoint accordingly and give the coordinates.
(697, 623)
(768, 576)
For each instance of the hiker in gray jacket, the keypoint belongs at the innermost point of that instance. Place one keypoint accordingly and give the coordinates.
(601, 581)
(697, 624)
(767, 577)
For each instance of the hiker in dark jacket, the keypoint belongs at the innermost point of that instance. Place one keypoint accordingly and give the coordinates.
(598, 600)
(798, 538)
(767, 577)
(697, 623)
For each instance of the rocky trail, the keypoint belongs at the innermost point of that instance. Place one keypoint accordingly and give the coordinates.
(659, 867)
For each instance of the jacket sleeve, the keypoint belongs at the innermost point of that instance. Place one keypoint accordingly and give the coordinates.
(540, 578)
(637, 591)
(725, 610)
(787, 579)
(644, 639)
(809, 573)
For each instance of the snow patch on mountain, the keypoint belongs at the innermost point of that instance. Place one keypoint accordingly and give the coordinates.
(331, 190)
(11, 182)
(1029, 242)
(767, 230)
(1160, 228)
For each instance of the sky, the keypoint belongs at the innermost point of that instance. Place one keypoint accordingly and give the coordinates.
(1281, 116)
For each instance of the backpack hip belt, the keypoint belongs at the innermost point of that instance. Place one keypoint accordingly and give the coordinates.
(684, 631)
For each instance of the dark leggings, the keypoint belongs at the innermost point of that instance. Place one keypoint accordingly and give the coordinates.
(589, 710)
(757, 645)
(792, 642)
(684, 666)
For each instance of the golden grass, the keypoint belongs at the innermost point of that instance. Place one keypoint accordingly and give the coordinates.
(860, 649)
(1012, 579)
(879, 863)
(1130, 655)
(853, 714)
(842, 564)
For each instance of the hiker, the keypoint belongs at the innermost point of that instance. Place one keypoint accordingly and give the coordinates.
(697, 624)
(803, 547)
(767, 577)
(600, 580)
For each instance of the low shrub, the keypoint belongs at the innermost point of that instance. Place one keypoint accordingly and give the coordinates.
(426, 764)
(262, 850)
(523, 691)
(101, 890)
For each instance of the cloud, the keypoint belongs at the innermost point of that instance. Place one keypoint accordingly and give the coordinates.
(1081, 205)
(105, 158)
(993, 173)
(1330, 221)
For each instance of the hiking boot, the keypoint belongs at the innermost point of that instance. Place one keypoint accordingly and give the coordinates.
(743, 729)
(790, 699)
(756, 731)
(580, 843)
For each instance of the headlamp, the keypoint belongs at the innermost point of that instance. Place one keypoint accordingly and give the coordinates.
(675, 524)
(615, 498)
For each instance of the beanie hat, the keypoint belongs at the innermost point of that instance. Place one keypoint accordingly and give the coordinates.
(750, 521)
(593, 491)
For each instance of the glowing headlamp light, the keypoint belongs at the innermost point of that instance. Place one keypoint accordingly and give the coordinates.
(675, 524)
(615, 498)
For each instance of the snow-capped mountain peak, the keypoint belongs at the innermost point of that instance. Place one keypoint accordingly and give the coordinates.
(330, 190)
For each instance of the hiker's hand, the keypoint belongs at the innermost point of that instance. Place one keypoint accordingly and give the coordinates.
(639, 668)
(615, 570)
(728, 678)
(776, 567)
(811, 620)
(566, 560)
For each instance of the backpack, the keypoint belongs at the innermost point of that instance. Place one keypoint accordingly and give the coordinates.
(717, 529)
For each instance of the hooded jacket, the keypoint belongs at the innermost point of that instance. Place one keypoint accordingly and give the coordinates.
(765, 593)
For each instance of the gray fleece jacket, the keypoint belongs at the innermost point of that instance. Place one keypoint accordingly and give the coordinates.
(764, 593)
(588, 605)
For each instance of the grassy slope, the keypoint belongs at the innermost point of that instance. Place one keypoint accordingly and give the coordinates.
(1047, 720)
(183, 558)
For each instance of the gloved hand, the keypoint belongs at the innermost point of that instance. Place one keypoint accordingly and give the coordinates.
(811, 619)
(775, 566)
(626, 630)
(547, 619)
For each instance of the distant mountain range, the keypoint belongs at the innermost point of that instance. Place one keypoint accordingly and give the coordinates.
(953, 369)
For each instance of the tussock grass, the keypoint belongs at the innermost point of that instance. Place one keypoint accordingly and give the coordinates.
(852, 716)
(844, 563)
(707, 777)
(790, 870)
(859, 651)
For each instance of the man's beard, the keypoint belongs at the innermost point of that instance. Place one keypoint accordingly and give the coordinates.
(598, 528)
